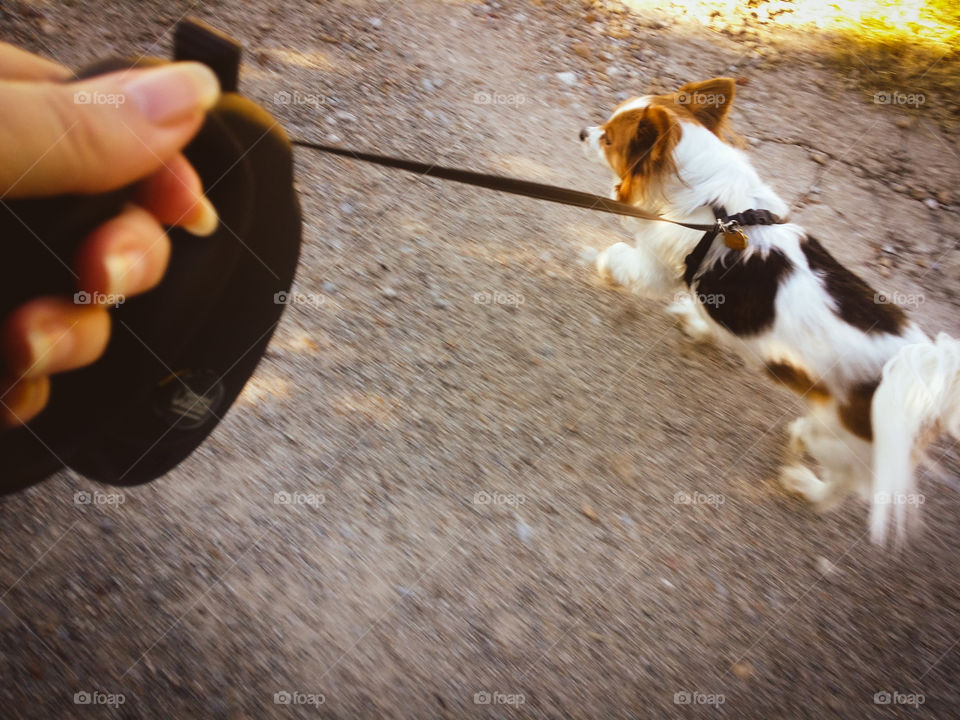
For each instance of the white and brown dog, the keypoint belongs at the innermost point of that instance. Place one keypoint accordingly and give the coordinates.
(879, 389)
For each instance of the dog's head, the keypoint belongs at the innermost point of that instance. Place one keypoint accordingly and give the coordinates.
(639, 139)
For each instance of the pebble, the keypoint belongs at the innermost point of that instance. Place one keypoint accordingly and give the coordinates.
(613, 71)
(931, 203)
(581, 49)
(524, 531)
(944, 197)
(825, 567)
(344, 116)
(328, 287)
(106, 525)
(819, 158)
(346, 208)
(374, 22)
(439, 302)
(389, 293)
(742, 670)
(589, 512)
(568, 78)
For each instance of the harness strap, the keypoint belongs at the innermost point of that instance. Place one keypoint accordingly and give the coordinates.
(729, 225)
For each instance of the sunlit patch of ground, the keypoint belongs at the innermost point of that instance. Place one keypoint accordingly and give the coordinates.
(903, 52)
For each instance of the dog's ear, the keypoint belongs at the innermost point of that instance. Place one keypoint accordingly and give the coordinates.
(709, 101)
(649, 152)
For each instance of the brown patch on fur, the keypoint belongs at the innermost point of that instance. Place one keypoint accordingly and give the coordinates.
(798, 381)
(748, 287)
(857, 303)
(854, 414)
(639, 143)
(639, 147)
(707, 103)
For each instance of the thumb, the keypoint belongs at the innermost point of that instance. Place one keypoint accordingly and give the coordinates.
(98, 134)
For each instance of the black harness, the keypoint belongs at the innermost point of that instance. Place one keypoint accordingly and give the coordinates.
(735, 236)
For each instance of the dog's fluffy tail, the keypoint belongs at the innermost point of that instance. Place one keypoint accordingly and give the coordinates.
(917, 399)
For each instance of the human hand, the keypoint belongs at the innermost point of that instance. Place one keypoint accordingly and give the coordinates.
(91, 136)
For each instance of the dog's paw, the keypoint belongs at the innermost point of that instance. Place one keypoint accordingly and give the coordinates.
(620, 265)
(800, 480)
(691, 322)
(796, 432)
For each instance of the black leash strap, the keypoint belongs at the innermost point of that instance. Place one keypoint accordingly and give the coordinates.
(514, 186)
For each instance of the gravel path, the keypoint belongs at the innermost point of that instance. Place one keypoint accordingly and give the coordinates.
(484, 444)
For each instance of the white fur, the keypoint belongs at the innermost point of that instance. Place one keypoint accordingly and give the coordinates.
(918, 398)
(920, 388)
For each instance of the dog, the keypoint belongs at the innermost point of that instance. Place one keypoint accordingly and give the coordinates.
(879, 390)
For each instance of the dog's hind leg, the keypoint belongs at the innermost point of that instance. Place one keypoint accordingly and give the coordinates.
(801, 480)
(843, 458)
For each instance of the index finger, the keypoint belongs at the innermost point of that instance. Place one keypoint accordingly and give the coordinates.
(18, 64)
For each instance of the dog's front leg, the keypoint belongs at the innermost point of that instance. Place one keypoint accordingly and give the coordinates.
(693, 321)
(635, 269)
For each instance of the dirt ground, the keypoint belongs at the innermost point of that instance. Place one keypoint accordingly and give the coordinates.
(492, 442)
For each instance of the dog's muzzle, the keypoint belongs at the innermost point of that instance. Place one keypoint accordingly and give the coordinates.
(592, 139)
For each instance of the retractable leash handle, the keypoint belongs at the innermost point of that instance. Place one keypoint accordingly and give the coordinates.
(180, 354)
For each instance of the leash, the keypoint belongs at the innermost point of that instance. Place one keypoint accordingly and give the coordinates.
(732, 226)
(501, 183)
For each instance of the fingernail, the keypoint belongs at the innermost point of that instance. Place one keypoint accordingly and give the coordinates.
(172, 92)
(47, 345)
(124, 271)
(206, 219)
